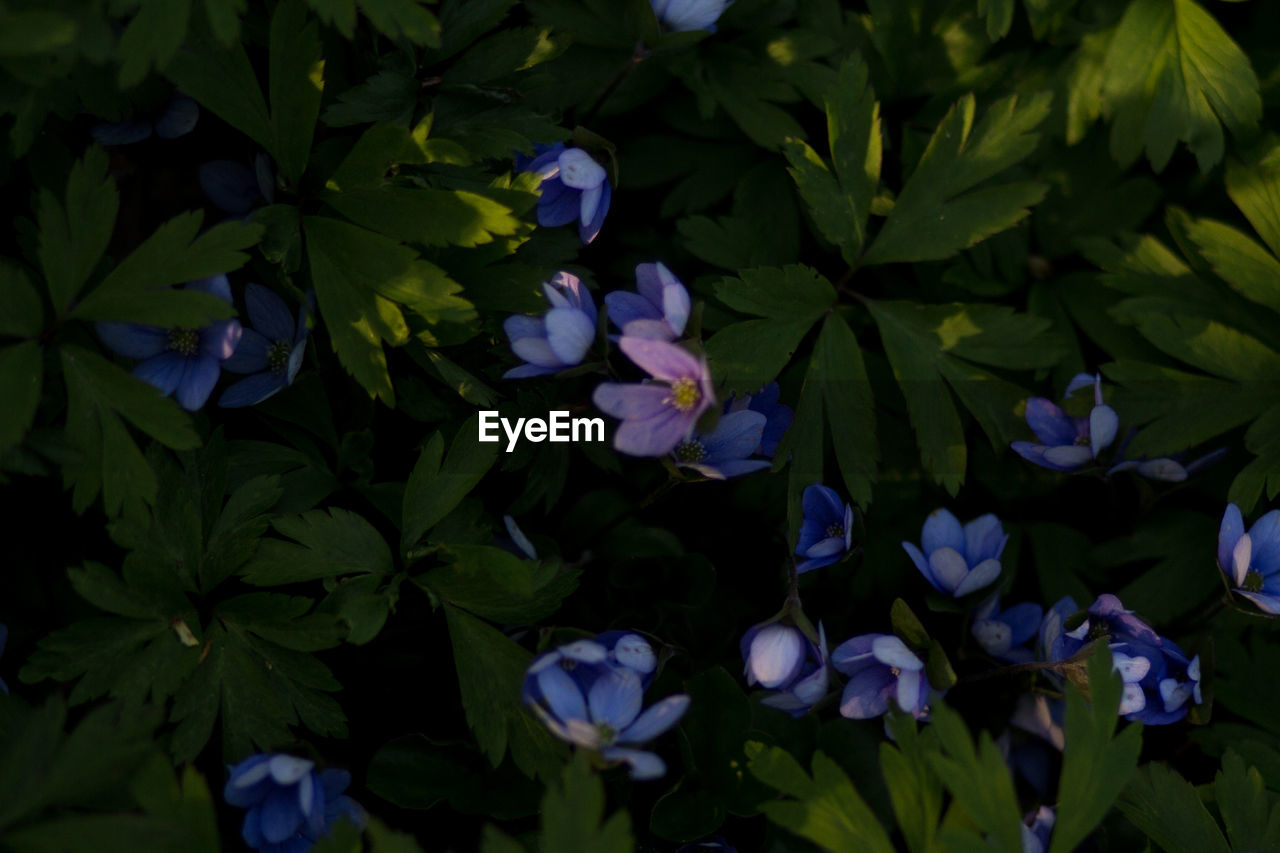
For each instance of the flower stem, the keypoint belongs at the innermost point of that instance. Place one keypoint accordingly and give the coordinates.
(639, 55)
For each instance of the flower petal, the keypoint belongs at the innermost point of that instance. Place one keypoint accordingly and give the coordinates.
(644, 765)
(1240, 558)
(570, 334)
(776, 655)
(982, 539)
(251, 390)
(133, 340)
(634, 652)
(1229, 533)
(268, 313)
(891, 651)
(656, 719)
(562, 694)
(197, 382)
(1104, 423)
(655, 436)
(735, 437)
(632, 401)
(866, 695)
(978, 577)
(942, 530)
(949, 568)
(627, 307)
(1068, 457)
(1051, 425)
(164, 371)
(614, 698)
(579, 170)
(660, 359)
(250, 355)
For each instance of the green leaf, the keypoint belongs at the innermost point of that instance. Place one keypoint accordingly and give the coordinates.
(73, 239)
(296, 78)
(329, 544)
(21, 312)
(34, 31)
(850, 406)
(135, 291)
(21, 376)
(348, 265)
(1173, 74)
(496, 585)
(152, 38)
(1212, 347)
(573, 814)
(1253, 823)
(490, 671)
(826, 809)
(979, 779)
(98, 391)
(915, 791)
(222, 80)
(1095, 766)
(790, 293)
(1256, 191)
(438, 483)
(926, 343)
(407, 19)
(841, 203)
(939, 212)
(1251, 270)
(1166, 807)
(999, 14)
(749, 355)
(255, 680)
(224, 19)
(434, 217)
(387, 96)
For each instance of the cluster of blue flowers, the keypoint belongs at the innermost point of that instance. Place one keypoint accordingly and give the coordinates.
(659, 416)
(186, 363)
(290, 805)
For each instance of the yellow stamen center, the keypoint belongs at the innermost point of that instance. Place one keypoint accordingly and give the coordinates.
(685, 394)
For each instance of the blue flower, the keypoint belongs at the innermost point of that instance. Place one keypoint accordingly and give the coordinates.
(657, 416)
(1002, 634)
(1036, 739)
(1251, 561)
(291, 806)
(684, 15)
(778, 416)
(574, 186)
(826, 534)
(1037, 826)
(517, 543)
(659, 308)
(177, 118)
(235, 188)
(1160, 683)
(272, 350)
(778, 656)
(1165, 469)
(724, 452)
(603, 715)
(587, 660)
(958, 560)
(1066, 442)
(558, 339)
(880, 667)
(182, 362)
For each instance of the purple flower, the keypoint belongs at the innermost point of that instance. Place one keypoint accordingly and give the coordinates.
(826, 534)
(1036, 739)
(1068, 443)
(1036, 829)
(684, 15)
(272, 350)
(558, 339)
(880, 667)
(182, 362)
(177, 118)
(574, 186)
(1160, 684)
(958, 560)
(778, 417)
(1251, 561)
(291, 806)
(235, 188)
(603, 714)
(659, 308)
(656, 417)
(779, 656)
(723, 452)
(1002, 634)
